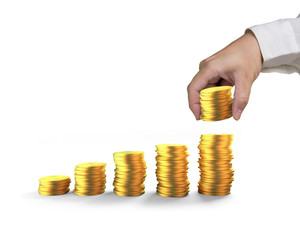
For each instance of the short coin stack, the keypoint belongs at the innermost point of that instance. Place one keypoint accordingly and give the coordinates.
(90, 178)
(215, 164)
(54, 185)
(171, 172)
(130, 173)
(216, 103)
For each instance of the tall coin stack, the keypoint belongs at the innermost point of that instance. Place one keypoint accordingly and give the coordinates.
(130, 173)
(216, 103)
(54, 185)
(215, 164)
(90, 178)
(171, 171)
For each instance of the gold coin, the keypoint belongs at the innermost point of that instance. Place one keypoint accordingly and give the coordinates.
(128, 194)
(172, 194)
(171, 146)
(214, 193)
(46, 189)
(129, 153)
(53, 193)
(86, 193)
(91, 165)
(54, 178)
(215, 89)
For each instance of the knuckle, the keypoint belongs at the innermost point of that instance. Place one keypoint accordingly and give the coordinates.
(203, 63)
(207, 63)
(188, 87)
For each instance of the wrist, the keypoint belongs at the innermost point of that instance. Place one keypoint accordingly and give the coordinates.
(254, 46)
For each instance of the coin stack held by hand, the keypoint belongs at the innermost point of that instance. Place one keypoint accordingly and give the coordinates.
(216, 103)
(171, 171)
(90, 178)
(215, 164)
(54, 185)
(130, 173)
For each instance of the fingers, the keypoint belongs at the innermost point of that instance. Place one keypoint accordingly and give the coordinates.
(203, 79)
(241, 96)
(194, 103)
(194, 89)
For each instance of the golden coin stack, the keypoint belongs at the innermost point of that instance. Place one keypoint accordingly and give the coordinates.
(130, 173)
(90, 178)
(171, 172)
(216, 103)
(215, 164)
(54, 185)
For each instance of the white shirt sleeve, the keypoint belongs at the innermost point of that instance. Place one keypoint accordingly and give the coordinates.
(279, 43)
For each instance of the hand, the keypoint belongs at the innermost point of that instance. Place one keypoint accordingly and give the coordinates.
(237, 64)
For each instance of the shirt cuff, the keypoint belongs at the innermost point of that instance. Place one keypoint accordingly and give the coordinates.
(277, 42)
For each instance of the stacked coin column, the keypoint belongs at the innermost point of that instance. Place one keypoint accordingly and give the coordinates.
(216, 103)
(90, 178)
(54, 185)
(172, 168)
(215, 164)
(130, 173)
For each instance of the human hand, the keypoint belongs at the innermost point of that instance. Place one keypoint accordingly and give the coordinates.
(237, 64)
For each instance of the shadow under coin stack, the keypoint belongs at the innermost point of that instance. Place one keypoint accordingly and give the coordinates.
(216, 103)
(90, 178)
(130, 173)
(215, 164)
(54, 185)
(171, 171)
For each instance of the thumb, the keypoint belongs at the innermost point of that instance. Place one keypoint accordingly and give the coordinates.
(241, 97)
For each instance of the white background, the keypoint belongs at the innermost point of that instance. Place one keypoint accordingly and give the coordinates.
(83, 79)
